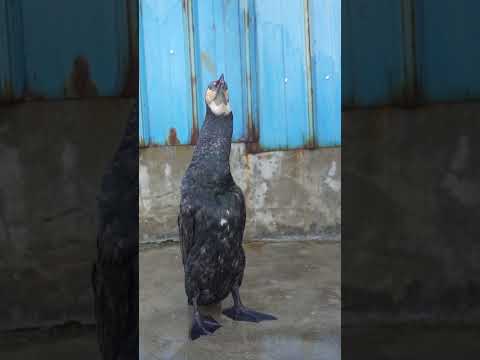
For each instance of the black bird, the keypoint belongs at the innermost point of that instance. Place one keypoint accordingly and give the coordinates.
(115, 271)
(212, 219)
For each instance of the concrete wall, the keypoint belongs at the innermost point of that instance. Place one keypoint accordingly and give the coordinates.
(411, 205)
(53, 155)
(288, 193)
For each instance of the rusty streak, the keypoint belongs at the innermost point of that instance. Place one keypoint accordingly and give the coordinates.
(194, 133)
(7, 93)
(172, 137)
(253, 138)
(81, 84)
(193, 78)
(130, 88)
(194, 137)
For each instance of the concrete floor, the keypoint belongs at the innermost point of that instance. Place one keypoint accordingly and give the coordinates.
(299, 282)
(72, 343)
(412, 342)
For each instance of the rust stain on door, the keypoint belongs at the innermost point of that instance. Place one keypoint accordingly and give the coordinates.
(80, 83)
(172, 137)
(208, 63)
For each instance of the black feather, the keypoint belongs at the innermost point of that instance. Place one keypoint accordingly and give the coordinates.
(115, 272)
(212, 216)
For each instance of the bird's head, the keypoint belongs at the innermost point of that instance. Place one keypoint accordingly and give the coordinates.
(216, 97)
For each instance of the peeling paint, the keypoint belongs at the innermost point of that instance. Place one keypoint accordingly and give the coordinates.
(144, 183)
(260, 195)
(168, 170)
(285, 191)
(333, 169)
(335, 185)
(272, 166)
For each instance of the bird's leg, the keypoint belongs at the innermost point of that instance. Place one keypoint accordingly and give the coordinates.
(202, 324)
(241, 313)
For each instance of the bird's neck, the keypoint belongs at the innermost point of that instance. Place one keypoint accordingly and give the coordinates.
(211, 156)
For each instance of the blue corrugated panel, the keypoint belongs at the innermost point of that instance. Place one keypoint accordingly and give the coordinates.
(282, 76)
(143, 128)
(54, 49)
(251, 75)
(372, 52)
(281, 94)
(219, 49)
(448, 53)
(11, 51)
(165, 72)
(75, 48)
(409, 52)
(326, 56)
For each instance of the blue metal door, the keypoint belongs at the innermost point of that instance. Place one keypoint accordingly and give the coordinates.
(281, 59)
(408, 52)
(54, 49)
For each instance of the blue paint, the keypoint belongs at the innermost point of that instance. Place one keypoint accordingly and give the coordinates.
(218, 49)
(12, 66)
(395, 57)
(143, 111)
(261, 48)
(165, 71)
(271, 87)
(448, 54)
(252, 75)
(326, 65)
(57, 32)
(281, 74)
(372, 66)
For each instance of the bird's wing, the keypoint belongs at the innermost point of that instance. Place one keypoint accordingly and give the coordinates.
(186, 229)
(243, 212)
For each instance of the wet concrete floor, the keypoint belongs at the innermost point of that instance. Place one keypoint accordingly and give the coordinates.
(412, 342)
(71, 342)
(299, 282)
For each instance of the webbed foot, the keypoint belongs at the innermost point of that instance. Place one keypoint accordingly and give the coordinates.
(241, 313)
(203, 325)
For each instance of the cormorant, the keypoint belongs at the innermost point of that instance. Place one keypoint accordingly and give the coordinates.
(115, 272)
(211, 220)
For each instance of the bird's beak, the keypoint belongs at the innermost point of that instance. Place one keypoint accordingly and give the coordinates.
(221, 81)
